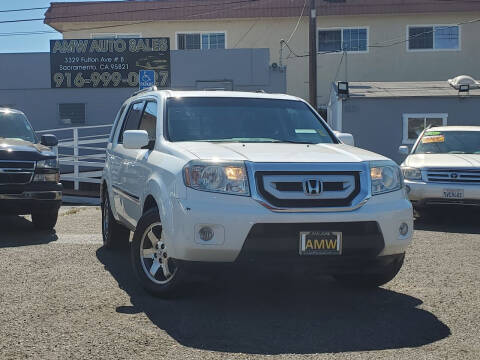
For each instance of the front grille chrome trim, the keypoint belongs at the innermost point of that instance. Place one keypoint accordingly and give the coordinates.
(12, 168)
(453, 176)
(362, 168)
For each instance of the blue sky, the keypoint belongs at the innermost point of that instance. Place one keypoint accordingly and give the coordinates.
(25, 43)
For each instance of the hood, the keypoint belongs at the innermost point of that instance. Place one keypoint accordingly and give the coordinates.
(279, 152)
(16, 149)
(442, 161)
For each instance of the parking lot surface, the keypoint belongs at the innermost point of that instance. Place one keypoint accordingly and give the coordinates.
(62, 296)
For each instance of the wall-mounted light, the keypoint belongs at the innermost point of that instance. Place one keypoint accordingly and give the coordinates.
(342, 88)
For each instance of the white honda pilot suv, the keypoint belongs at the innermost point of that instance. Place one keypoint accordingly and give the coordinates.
(210, 178)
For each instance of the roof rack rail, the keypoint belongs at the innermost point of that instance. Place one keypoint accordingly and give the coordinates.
(151, 88)
(260, 91)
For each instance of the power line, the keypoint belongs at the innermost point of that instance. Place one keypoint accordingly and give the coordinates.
(27, 9)
(339, 65)
(246, 33)
(298, 23)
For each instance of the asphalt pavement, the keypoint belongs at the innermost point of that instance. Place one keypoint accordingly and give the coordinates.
(62, 296)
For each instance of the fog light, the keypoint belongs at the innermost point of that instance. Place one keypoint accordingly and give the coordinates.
(403, 230)
(206, 233)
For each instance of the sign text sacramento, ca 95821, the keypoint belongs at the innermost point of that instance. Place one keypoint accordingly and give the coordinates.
(108, 63)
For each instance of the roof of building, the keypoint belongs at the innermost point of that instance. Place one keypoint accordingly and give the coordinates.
(405, 89)
(101, 11)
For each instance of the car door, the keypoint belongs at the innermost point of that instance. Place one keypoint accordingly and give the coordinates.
(126, 196)
(113, 162)
(139, 170)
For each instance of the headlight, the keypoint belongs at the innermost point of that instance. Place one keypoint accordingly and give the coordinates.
(410, 173)
(386, 177)
(50, 177)
(48, 164)
(227, 178)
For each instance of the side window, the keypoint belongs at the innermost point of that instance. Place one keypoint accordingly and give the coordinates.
(149, 120)
(116, 123)
(132, 120)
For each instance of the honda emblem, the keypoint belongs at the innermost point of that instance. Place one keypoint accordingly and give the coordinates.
(312, 187)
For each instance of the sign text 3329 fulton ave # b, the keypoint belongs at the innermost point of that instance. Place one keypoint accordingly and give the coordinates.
(104, 63)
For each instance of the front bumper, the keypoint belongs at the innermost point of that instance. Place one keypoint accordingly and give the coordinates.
(16, 200)
(232, 219)
(423, 193)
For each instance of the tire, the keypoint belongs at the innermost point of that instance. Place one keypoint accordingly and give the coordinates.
(372, 280)
(45, 219)
(114, 235)
(159, 274)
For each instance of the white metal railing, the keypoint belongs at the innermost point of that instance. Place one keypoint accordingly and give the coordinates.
(87, 168)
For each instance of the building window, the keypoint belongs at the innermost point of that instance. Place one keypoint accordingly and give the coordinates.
(200, 41)
(414, 124)
(348, 39)
(114, 36)
(72, 114)
(434, 37)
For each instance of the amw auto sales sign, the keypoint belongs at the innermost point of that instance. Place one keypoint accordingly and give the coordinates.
(108, 63)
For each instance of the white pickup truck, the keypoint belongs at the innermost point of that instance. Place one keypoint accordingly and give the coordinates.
(206, 179)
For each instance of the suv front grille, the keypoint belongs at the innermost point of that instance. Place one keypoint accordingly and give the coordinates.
(458, 176)
(308, 189)
(16, 172)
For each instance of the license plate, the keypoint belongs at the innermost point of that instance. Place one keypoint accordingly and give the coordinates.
(320, 243)
(453, 193)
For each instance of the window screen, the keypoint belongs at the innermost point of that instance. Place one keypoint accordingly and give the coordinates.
(132, 120)
(420, 37)
(188, 41)
(72, 114)
(149, 120)
(330, 40)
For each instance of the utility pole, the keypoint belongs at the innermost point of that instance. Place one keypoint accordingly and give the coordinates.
(313, 55)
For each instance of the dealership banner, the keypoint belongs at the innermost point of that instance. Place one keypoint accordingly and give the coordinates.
(108, 63)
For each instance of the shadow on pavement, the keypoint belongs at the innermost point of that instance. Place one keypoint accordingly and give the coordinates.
(463, 220)
(281, 316)
(18, 231)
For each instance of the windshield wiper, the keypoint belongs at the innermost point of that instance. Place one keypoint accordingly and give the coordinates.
(294, 142)
(256, 140)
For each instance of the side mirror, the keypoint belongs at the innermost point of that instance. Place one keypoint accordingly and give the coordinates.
(403, 150)
(345, 138)
(49, 140)
(135, 139)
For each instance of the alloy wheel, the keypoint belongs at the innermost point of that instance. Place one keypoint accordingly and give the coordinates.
(156, 263)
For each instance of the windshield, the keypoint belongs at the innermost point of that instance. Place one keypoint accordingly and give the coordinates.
(449, 142)
(243, 120)
(16, 126)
